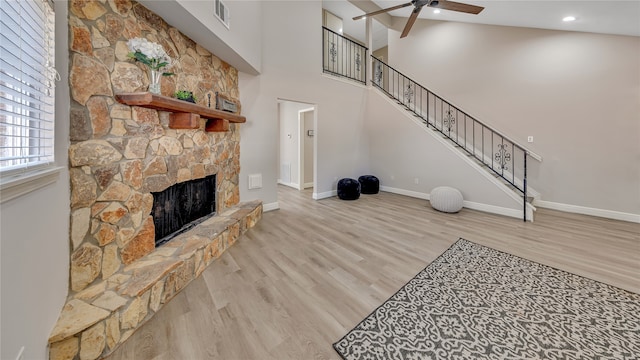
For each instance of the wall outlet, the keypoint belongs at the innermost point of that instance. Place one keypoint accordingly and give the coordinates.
(530, 139)
(416, 180)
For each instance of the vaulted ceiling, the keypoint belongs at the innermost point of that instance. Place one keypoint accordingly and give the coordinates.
(619, 17)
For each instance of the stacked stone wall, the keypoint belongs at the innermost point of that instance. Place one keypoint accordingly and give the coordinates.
(119, 154)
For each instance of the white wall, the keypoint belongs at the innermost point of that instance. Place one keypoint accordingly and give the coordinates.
(578, 94)
(34, 238)
(240, 45)
(292, 70)
(258, 142)
(403, 150)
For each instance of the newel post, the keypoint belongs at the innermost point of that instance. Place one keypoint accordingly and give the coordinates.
(369, 63)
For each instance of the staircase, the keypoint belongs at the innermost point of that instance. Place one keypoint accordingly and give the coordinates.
(503, 158)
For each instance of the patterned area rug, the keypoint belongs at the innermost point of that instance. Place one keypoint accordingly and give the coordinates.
(475, 302)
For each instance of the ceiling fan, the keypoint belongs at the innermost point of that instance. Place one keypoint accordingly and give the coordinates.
(417, 6)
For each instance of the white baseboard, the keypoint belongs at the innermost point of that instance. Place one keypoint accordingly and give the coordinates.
(515, 213)
(324, 195)
(409, 193)
(498, 210)
(609, 214)
(308, 185)
(270, 206)
(292, 185)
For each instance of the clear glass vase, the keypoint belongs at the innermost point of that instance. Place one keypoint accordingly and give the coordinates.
(154, 81)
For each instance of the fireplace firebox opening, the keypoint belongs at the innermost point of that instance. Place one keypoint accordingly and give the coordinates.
(182, 206)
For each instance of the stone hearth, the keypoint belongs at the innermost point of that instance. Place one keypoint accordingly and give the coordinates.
(97, 319)
(119, 155)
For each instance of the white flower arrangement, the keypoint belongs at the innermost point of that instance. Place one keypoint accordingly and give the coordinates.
(149, 53)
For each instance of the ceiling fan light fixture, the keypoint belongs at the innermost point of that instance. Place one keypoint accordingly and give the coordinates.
(419, 4)
(569, 18)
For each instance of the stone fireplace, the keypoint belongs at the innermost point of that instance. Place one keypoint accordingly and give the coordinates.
(119, 157)
(182, 206)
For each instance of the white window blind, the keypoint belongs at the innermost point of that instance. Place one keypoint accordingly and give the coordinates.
(27, 76)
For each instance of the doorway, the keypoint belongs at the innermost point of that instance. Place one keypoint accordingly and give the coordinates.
(297, 131)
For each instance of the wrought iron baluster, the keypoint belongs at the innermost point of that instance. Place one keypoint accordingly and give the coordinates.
(502, 156)
(334, 52)
(421, 104)
(428, 121)
(473, 133)
(513, 169)
(397, 83)
(433, 109)
(324, 62)
(340, 52)
(457, 132)
(401, 87)
(439, 115)
(349, 64)
(465, 131)
(408, 93)
(448, 120)
(524, 188)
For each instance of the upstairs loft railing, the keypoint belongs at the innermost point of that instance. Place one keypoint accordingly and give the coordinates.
(343, 57)
(502, 156)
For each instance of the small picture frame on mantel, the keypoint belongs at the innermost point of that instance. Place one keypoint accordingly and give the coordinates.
(310, 133)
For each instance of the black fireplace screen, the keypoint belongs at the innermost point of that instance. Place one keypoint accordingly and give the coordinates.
(182, 206)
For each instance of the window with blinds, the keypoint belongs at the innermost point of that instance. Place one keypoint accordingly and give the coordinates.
(27, 78)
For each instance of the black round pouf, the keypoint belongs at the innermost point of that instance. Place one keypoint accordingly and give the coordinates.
(348, 189)
(369, 184)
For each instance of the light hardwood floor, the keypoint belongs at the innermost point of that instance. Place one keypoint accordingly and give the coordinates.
(309, 272)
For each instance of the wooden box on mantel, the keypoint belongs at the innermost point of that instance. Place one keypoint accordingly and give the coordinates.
(184, 115)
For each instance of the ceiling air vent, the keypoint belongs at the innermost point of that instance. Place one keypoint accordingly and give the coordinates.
(222, 12)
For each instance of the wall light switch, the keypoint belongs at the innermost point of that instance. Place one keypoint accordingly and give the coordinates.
(530, 139)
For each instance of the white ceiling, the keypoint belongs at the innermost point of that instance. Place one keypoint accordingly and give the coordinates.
(620, 17)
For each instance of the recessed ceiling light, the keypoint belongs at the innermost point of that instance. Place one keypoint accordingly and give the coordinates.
(568, 18)
(436, 11)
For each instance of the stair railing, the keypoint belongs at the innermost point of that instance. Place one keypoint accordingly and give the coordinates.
(343, 57)
(506, 159)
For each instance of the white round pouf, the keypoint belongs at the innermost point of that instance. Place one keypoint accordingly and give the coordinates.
(446, 199)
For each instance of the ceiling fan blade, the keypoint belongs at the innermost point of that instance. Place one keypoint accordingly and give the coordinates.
(412, 19)
(382, 11)
(456, 6)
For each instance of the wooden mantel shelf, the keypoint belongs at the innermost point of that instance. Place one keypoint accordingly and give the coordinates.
(184, 115)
